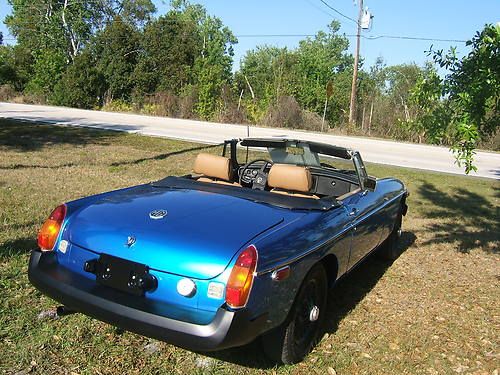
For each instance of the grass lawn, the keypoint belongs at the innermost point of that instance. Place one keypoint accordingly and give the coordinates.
(435, 310)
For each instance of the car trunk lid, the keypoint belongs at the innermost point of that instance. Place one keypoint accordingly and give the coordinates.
(198, 237)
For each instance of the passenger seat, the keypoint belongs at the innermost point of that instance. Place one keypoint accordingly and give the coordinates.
(291, 180)
(214, 169)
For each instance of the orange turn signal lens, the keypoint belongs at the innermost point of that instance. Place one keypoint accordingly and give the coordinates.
(47, 235)
(241, 279)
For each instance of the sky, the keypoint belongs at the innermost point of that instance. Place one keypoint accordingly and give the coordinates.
(438, 19)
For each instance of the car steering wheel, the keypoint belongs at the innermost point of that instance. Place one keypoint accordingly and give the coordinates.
(258, 181)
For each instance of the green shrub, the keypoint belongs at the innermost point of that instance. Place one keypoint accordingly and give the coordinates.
(117, 105)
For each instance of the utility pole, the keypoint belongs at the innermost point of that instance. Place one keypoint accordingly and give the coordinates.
(352, 108)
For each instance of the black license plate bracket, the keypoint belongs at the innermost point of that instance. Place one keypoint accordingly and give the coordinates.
(122, 274)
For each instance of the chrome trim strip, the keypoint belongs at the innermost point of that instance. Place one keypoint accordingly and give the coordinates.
(274, 275)
(345, 229)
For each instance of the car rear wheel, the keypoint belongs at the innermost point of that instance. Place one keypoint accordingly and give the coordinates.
(294, 339)
(390, 248)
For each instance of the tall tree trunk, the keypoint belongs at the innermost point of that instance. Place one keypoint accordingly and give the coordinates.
(72, 39)
(249, 86)
(370, 120)
(363, 118)
(324, 114)
(239, 100)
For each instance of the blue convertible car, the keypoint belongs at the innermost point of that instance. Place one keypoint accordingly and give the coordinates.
(232, 252)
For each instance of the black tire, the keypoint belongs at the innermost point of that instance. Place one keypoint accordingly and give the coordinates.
(294, 339)
(390, 250)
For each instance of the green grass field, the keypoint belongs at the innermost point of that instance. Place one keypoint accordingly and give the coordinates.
(435, 310)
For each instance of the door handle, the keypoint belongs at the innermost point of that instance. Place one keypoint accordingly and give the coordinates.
(353, 212)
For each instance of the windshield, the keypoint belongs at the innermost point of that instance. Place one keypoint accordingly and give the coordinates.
(297, 154)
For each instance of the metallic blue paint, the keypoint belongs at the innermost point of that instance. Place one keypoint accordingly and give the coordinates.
(198, 237)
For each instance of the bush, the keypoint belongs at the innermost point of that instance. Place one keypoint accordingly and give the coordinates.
(48, 68)
(231, 115)
(162, 104)
(313, 121)
(285, 114)
(187, 102)
(228, 111)
(29, 98)
(117, 105)
(81, 85)
(7, 93)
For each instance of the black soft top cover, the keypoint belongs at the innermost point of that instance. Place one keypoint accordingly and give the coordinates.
(259, 196)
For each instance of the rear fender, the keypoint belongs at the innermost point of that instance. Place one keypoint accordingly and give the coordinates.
(277, 297)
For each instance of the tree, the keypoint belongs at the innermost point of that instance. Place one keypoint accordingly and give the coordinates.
(64, 26)
(385, 96)
(135, 12)
(82, 85)
(268, 71)
(169, 47)
(213, 65)
(319, 60)
(302, 73)
(16, 65)
(56, 32)
(117, 50)
(8, 74)
(468, 95)
(48, 67)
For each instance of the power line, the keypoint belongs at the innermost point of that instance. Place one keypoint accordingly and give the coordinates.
(338, 12)
(412, 38)
(375, 37)
(321, 9)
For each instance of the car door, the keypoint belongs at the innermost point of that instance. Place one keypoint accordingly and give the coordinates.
(364, 220)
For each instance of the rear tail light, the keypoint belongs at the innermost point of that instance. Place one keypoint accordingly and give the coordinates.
(240, 281)
(47, 235)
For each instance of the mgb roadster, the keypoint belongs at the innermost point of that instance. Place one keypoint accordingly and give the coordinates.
(232, 252)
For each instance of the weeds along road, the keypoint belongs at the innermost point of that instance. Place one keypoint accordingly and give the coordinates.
(410, 155)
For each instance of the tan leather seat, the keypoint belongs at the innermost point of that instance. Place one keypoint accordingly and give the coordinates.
(213, 168)
(291, 180)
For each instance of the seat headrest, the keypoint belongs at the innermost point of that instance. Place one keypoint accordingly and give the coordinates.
(213, 166)
(290, 177)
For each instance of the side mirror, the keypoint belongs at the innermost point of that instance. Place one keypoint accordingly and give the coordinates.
(370, 183)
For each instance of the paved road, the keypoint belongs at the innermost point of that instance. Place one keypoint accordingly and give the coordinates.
(378, 151)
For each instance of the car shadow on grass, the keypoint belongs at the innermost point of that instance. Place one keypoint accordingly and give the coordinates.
(343, 297)
(32, 166)
(463, 217)
(29, 136)
(16, 247)
(165, 155)
(353, 287)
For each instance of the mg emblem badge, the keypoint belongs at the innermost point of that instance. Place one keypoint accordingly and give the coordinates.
(130, 241)
(157, 214)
